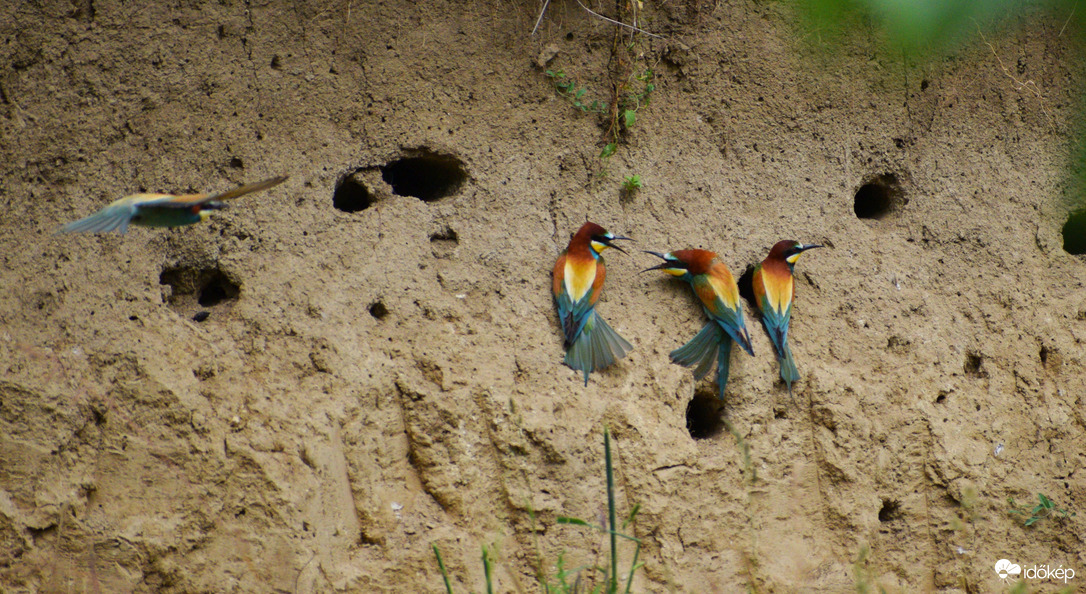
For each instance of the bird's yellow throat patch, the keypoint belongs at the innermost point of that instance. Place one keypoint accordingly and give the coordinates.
(579, 279)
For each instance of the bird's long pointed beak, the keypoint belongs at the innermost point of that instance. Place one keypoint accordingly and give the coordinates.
(659, 266)
(609, 244)
(810, 246)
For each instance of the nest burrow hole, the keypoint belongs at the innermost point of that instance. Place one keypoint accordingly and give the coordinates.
(1074, 233)
(878, 197)
(351, 195)
(704, 415)
(196, 287)
(746, 287)
(890, 511)
(378, 310)
(428, 176)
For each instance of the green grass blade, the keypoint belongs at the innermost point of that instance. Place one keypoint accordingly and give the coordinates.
(613, 586)
(633, 514)
(486, 571)
(441, 566)
(633, 568)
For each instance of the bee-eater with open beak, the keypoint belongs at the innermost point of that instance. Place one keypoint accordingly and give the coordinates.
(578, 280)
(715, 287)
(773, 292)
(161, 210)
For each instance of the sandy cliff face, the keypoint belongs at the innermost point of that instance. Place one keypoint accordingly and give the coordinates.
(379, 368)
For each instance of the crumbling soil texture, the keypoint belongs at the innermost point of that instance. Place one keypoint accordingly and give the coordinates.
(307, 392)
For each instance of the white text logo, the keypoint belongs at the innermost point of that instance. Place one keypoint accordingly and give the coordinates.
(1005, 569)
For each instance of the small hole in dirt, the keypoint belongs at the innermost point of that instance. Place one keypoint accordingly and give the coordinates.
(924, 84)
(569, 36)
(941, 398)
(890, 511)
(704, 415)
(193, 287)
(972, 365)
(200, 316)
(444, 242)
(1074, 233)
(877, 197)
(378, 310)
(275, 63)
(216, 290)
(428, 177)
(446, 234)
(351, 195)
(746, 287)
(237, 163)
(1044, 355)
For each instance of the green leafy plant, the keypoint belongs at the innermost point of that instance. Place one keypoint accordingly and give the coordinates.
(568, 88)
(631, 183)
(1044, 509)
(639, 93)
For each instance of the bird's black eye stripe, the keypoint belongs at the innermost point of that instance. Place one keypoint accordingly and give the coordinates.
(600, 238)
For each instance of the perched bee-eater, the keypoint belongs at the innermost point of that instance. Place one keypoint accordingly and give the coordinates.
(773, 291)
(715, 286)
(161, 210)
(578, 280)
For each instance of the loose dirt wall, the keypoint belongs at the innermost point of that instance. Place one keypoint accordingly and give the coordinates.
(379, 368)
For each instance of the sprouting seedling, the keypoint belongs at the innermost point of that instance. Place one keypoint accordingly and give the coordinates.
(567, 87)
(631, 183)
(637, 99)
(1045, 508)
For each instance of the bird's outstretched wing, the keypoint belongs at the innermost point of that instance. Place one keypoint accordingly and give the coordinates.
(115, 216)
(248, 188)
(191, 200)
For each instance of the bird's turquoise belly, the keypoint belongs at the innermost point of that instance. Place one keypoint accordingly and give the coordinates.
(165, 217)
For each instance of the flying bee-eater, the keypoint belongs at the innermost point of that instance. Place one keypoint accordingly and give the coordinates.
(578, 280)
(773, 292)
(715, 287)
(161, 210)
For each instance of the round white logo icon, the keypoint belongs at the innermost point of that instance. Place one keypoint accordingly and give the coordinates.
(1006, 569)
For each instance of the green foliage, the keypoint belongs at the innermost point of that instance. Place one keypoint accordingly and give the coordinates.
(611, 579)
(631, 183)
(568, 88)
(638, 94)
(1044, 509)
(917, 25)
(562, 575)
